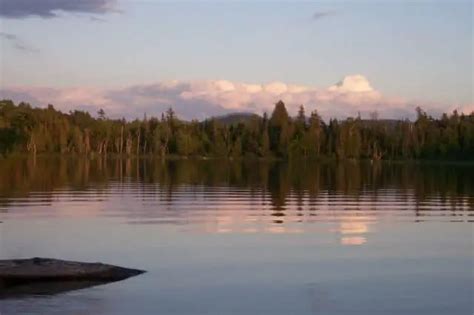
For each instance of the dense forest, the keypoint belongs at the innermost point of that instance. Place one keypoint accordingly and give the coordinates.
(27, 129)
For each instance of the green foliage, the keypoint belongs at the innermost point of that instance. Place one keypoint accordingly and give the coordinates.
(46, 130)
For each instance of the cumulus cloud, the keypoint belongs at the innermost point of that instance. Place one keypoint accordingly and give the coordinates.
(50, 8)
(353, 83)
(16, 42)
(205, 98)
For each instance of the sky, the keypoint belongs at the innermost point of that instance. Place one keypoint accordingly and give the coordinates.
(204, 58)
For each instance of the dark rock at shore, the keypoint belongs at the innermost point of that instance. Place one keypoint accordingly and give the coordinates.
(50, 276)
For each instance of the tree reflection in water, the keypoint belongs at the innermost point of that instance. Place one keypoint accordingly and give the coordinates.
(252, 196)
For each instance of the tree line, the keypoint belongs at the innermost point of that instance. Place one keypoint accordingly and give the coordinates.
(27, 129)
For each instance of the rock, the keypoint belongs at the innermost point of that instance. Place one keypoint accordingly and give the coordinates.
(49, 276)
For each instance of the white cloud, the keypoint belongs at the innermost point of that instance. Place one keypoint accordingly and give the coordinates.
(224, 85)
(252, 88)
(205, 98)
(275, 88)
(353, 83)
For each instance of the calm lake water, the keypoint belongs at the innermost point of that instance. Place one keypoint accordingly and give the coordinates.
(221, 237)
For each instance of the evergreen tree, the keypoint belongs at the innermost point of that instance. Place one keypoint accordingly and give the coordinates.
(36, 130)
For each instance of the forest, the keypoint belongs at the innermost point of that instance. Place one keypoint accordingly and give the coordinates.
(33, 130)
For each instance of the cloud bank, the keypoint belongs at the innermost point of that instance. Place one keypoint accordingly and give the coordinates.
(49, 8)
(202, 99)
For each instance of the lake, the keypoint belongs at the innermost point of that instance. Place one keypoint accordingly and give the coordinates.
(222, 237)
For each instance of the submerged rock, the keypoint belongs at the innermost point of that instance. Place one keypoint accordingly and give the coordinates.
(50, 276)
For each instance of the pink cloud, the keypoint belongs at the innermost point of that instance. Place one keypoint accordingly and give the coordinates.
(205, 98)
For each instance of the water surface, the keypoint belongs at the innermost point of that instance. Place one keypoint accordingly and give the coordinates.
(221, 237)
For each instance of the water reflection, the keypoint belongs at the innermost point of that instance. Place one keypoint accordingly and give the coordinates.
(221, 196)
(289, 238)
(354, 232)
(46, 289)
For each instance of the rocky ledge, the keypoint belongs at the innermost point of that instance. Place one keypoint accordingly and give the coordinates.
(48, 276)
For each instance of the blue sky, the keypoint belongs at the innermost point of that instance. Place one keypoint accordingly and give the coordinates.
(415, 50)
